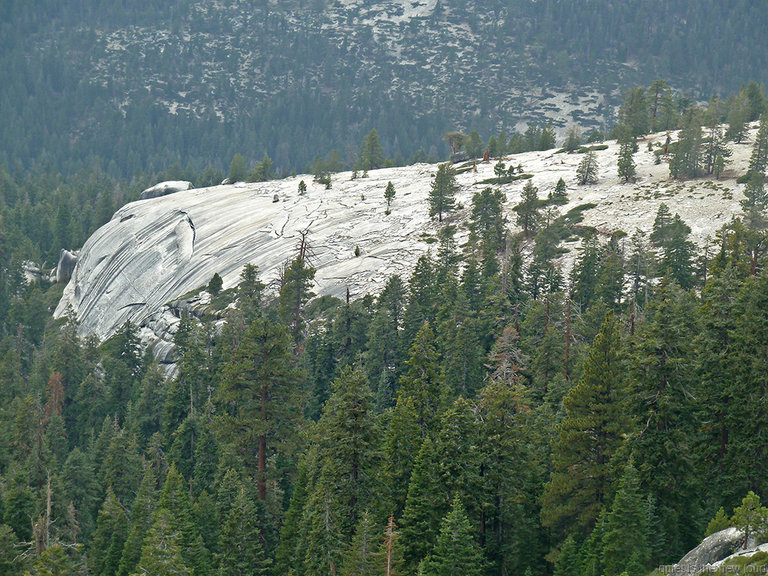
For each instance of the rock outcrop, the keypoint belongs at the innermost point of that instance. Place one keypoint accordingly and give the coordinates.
(714, 548)
(165, 188)
(66, 265)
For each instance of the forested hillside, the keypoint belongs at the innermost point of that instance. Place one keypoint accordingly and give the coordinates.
(488, 414)
(140, 87)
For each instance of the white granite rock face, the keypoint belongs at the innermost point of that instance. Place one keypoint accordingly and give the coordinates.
(154, 251)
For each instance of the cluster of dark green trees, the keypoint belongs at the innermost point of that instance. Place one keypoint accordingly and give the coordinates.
(488, 416)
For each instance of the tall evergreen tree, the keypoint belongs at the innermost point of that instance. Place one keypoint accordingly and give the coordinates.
(528, 210)
(625, 546)
(261, 397)
(372, 155)
(455, 553)
(161, 553)
(241, 551)
(423, 382)
(587, 438)
(442, 192)
(686, 161)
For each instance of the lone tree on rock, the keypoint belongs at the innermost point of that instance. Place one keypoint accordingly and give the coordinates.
(751, 517)
(238, 170)
(215, 285)
(389, 195)
(441, 196)
(372, 154)
(586, 173)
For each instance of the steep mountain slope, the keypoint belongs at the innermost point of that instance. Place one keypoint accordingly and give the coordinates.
(145, 85)
(155, 251)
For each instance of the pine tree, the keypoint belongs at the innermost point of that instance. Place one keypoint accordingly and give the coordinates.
(751, 518)
(442, 192)
(238, 171)
(372, 155)
(559, 195)
(528, 210)
(389, 195)
(586, 172)
(455, 553)
(626, 163)
(587, 438)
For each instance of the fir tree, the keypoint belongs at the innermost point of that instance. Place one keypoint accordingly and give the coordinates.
(686, 154)
(161, 553)
(759, 158)
(111, 528)
(295, 291)
(260, 396)
(625, 548)
(238, 171)
(455, 553)
(421, 520)
(587, 438)
(423, 382)
(721, 521)
(141, 522)
(372, 155)
(401, 446)
(626, 163)
(215, 285)
(568, 561)
(240, 546)
(362, 558)
(559, 195)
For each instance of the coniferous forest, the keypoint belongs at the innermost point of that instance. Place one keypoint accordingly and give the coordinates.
(489, 414)
(486, 415)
